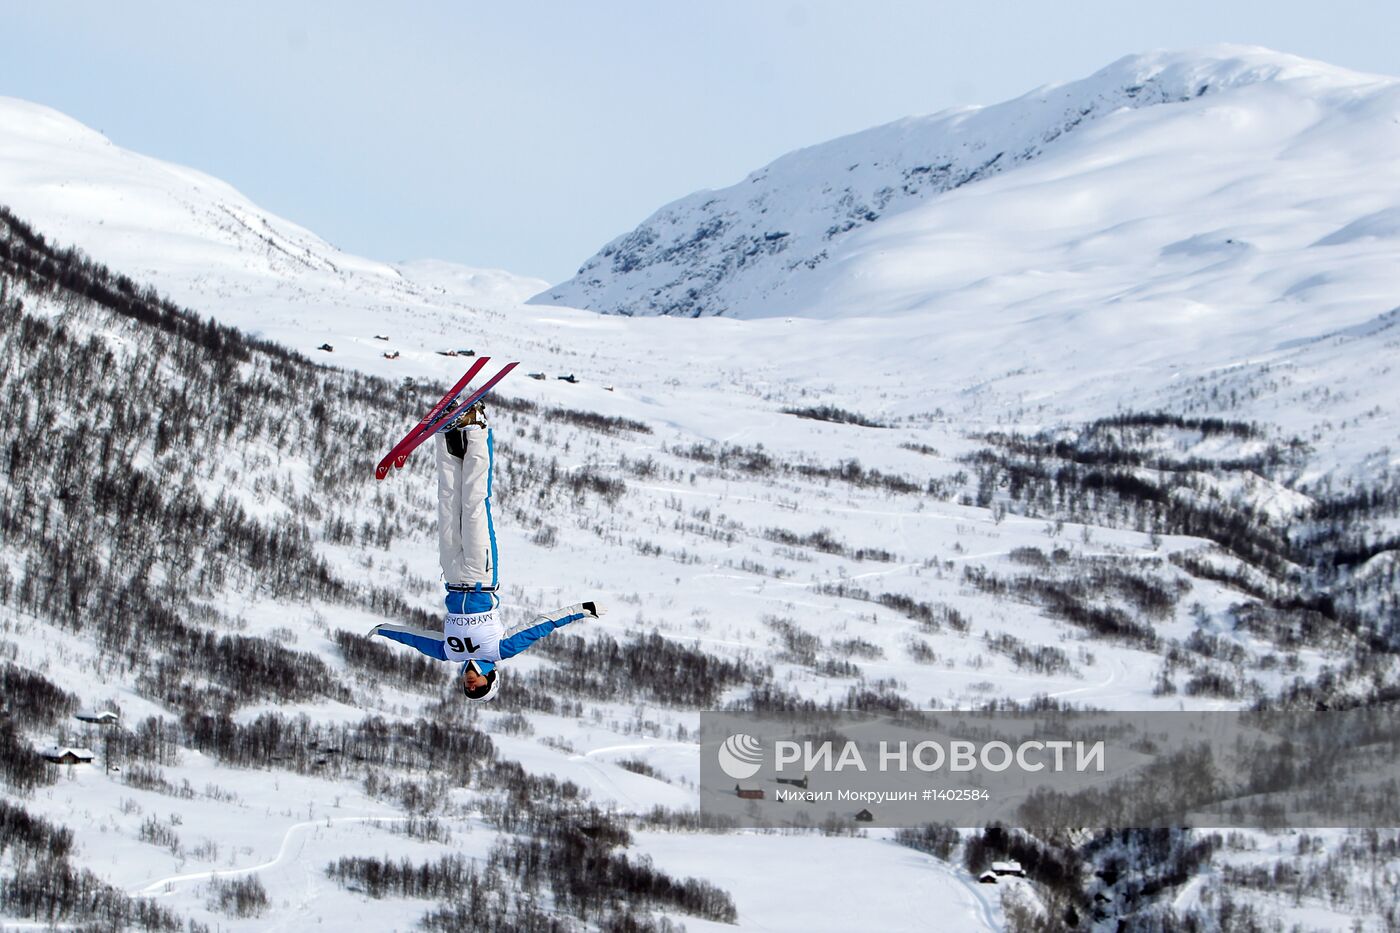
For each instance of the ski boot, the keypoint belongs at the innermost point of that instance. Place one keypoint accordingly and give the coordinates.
(474, 418)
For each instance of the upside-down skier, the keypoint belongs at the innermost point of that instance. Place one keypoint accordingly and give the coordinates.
(472, 631)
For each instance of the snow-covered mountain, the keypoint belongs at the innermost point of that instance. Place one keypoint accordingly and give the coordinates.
(195, 234)
(1237, 175)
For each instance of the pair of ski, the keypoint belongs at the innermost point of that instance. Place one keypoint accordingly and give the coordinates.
(441, 415)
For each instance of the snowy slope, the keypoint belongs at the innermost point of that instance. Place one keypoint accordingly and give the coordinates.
(1161, 253)
(1164, 233)
(1035, 324)
(492, 286)
(858, 224)
(193, 233)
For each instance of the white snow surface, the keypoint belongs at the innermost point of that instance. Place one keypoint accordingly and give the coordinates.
(1140, 244)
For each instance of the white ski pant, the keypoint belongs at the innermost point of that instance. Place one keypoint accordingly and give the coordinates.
(466, 535)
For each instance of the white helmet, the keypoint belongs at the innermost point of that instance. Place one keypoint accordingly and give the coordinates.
(493, 682)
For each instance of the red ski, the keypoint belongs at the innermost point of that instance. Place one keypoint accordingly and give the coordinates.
(382, 470)
(429, 426)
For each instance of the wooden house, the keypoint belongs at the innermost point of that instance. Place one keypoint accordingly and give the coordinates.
(103, 717)
(66, 755)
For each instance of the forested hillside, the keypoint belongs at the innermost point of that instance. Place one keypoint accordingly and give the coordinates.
(156, 463)
(190, 533)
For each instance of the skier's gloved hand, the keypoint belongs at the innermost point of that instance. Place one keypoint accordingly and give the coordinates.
(593, 609)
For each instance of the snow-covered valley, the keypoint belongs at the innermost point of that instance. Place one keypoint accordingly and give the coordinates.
(841, 484)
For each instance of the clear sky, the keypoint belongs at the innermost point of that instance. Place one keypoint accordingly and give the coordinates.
(524, 134)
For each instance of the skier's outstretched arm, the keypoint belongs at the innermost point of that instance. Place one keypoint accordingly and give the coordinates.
(427, 641)
(523, 637)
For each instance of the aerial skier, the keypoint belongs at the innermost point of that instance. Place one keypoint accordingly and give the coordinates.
(472, 631)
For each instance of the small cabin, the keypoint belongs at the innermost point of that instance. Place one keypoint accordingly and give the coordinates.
(392, 356)
(570, 378)
(66, 755)
(865, 816)
(380, 337)
(327, 347)
(987, 877)
(447, 353)
(466, 353)
(748, 793)
(103, 717)
(538, 376)
(801, 782)
(1009, 868)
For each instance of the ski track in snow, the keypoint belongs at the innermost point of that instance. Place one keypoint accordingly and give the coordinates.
(1118, 672)
(635, 747)
(975, 891)
(166, 885)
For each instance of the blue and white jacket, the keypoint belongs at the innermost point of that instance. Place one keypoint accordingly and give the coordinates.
(472, 631)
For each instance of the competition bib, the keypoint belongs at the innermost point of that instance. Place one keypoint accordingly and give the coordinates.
(472, 637)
